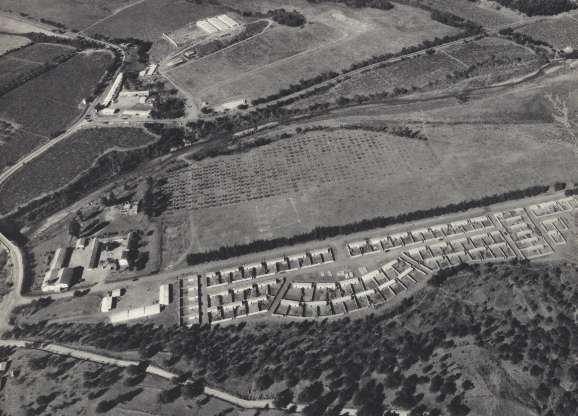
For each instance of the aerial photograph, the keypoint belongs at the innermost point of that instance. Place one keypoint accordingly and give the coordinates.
(289, 207)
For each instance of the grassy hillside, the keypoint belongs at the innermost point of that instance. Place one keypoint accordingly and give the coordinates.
(484, 340)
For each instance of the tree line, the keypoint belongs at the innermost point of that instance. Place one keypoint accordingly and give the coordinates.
(322, 233)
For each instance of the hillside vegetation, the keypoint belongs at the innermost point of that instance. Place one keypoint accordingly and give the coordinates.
(539, 7)
(484, 340)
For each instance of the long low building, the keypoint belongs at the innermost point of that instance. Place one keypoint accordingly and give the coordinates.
(113, 90)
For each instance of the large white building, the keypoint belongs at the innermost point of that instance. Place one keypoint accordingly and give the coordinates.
(221, 23)
(114, 89)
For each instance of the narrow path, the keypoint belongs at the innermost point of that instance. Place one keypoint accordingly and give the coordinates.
(114, 13)
(453, 58)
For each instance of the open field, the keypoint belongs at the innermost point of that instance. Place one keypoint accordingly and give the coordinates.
(9, 42)
(559, 33)
(335, 36)
(483, 147)
(13, 25)
(72, 157)
(63, 89)
(72, 13)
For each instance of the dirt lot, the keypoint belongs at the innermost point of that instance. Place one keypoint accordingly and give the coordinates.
(335, 36)
(63, 89)
(559, 32)
(73, 156)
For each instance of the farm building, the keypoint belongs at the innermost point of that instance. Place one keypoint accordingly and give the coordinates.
(108, 111)
(206, 27)
(221, 23)
(114, 89)
(148, 71)
(94, 250)
(232, 105)
(58, 261)
(137, 113)
(165, 294)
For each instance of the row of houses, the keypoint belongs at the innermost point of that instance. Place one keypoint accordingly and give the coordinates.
(270, 267)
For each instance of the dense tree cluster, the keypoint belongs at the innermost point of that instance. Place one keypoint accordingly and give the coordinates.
(539, 7)
(287, 18)
(376, 4)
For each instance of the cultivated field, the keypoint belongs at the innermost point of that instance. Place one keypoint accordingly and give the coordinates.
(21, 62)
(63, 89)
(559, 33)
(9, 42)
(65, 161)
(41, 52)
(334, 37)
(483, 147)
(149, 19)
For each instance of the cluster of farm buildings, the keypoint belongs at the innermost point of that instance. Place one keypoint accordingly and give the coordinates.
(89, 256)
(127, 103)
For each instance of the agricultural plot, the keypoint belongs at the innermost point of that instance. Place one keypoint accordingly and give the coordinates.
(148, 20)
(416, 72)
(17, 145)
(72, 13)
(482, 50)
(65, 161)
(41, 53)
(10, 69)
(333, 38)
(63, 89)
(559, 33)
(9, 43)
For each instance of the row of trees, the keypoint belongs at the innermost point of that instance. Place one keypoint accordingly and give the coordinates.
(322, 233)
(376, 4)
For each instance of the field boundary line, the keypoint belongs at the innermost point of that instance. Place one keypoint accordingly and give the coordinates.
(446, 53)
